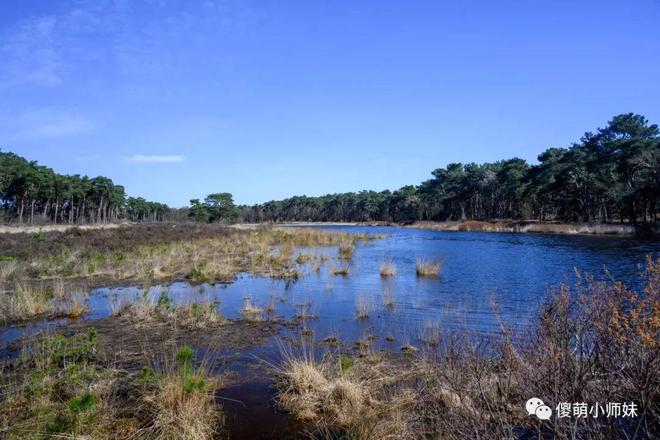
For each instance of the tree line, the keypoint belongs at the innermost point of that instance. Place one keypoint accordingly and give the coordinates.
(32, 193)
(610, 175)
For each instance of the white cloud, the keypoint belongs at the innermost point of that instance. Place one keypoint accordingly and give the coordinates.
(148, 158)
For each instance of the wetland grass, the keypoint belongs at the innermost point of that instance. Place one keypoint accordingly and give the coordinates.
(387, 269)
(250, 311)
(428, 268)
(201, 253)
(465, 387)
(389, 298)
(363, 307)
(26, 302)
(183, 404)
(340, 270)
(346, 252)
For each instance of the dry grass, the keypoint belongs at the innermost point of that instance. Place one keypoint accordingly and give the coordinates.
(182, 402)
(250, 311)
(148, 307)
(335, 399)
(76, 306)
(346, 251)
(389, 298)
(363, 307)
(596, 342)
(9, 269)
(530, 226)
(387, 269)
(340, 270)
(24, 303)
(427, 268)
(430, 333)
(164, 252)
(199, 315)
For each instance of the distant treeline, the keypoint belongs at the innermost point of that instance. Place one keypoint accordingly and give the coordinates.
(31, 193)
(610, 175)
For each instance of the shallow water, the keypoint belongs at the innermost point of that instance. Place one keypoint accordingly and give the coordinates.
(486, 279)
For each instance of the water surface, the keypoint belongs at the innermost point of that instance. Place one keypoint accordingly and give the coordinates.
(486, 279)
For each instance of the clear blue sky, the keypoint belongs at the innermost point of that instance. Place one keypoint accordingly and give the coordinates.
(267, 99)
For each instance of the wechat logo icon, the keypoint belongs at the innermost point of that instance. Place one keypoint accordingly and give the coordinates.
(535, 406)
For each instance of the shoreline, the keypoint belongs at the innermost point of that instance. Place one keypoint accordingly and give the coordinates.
(510, 226)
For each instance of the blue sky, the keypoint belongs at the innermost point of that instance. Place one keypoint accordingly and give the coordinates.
(267, 99)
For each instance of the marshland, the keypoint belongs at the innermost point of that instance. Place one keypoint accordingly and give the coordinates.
(209, 331)
(329, 220)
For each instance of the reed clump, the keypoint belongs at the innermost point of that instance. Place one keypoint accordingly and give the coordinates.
(340, 270)
(181, 400)
(428, 268)
(346, 251)
(387, 269)
(334, 397)
(389, 298)
(251, 311)
(363, 307)
(26, 302)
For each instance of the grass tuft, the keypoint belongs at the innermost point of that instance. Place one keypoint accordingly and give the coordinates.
(387, 269)
(427, 268)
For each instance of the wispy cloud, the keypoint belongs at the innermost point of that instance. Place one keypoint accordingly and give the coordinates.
(44, 124)
(130, 39)
(148, 158)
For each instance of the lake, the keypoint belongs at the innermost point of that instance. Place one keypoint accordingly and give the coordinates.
(486, 279)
